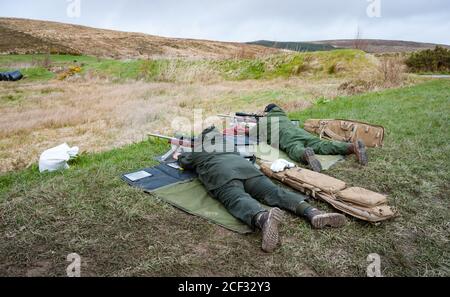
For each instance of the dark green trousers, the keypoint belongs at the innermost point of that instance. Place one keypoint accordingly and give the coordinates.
(296, 146)
(242, 198)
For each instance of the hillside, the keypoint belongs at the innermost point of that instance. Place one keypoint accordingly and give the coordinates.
(23, 36)
(294, 46)
(379, 46)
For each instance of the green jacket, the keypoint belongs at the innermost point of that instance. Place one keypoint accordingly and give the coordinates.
(288, 134)
(216, 169)
(294, 140)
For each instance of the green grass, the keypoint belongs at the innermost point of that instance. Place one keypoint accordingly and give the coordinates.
(32, 67)
(315, 63)
(148, 70)
(121, 231)
(284, 66)
(33, 73)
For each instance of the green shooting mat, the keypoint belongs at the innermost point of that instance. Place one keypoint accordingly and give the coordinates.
(267, 153)
(192, 198)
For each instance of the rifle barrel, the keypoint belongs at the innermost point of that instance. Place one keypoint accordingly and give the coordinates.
(174, 141)
(249, 115)
(161, 136)
(226, 116)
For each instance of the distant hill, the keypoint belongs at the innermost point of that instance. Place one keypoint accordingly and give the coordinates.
(379, 46)
(369, 45)
(294, 46)
(23, 36)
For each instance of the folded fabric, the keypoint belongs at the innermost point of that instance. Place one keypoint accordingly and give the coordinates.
(280, 165)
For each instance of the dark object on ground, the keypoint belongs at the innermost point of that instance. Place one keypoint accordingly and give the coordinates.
(11, 76)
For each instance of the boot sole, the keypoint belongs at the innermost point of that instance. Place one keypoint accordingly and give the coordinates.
(362, 153)
(271, 236)
(312, 161)
(333, 220)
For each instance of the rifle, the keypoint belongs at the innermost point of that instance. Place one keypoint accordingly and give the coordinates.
(249, 115)
(175, 141)
(239, 118)
(257, 117)
(176, 145)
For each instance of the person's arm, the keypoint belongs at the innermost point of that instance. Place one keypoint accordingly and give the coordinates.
(184, 160)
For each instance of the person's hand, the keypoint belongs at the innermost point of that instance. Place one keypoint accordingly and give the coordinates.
(176, 155)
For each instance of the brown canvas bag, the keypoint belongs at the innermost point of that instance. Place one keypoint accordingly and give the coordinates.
(317, 180)
(347, 131)
(370, 214)
(362, 197)
(354, 201)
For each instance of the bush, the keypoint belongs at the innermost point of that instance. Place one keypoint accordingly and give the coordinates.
(391, 70)
(437, 60)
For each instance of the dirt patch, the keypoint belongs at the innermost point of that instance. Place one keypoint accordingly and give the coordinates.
(39, 269)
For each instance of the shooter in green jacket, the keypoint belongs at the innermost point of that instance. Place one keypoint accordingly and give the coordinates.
(300, 145)
(240, 187)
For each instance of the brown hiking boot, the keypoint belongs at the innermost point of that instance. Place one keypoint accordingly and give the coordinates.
(320, 220)
(269, 222)
(310, 157)
(359, 149)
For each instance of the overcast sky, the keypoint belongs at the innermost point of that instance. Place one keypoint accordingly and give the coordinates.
(248, 20)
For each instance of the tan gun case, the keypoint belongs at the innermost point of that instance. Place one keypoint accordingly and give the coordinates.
(347, 131)
(354, 201)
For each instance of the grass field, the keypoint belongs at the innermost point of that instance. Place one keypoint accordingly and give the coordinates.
(336, 63)
(119, 231)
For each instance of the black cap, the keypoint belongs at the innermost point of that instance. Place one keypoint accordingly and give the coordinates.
(270, 107)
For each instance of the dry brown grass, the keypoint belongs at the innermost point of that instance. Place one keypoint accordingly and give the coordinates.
(32, 36)
(390, 72)
(97, 115)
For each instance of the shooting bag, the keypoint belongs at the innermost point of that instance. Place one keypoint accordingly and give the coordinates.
(347, 131)
(354, 201)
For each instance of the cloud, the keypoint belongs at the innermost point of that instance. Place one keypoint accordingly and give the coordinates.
(245, 20)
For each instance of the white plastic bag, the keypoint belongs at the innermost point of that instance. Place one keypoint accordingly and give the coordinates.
(56, 158)
(280, 165)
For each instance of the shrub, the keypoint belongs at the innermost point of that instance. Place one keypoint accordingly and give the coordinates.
(391, 70)
(437, 60)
